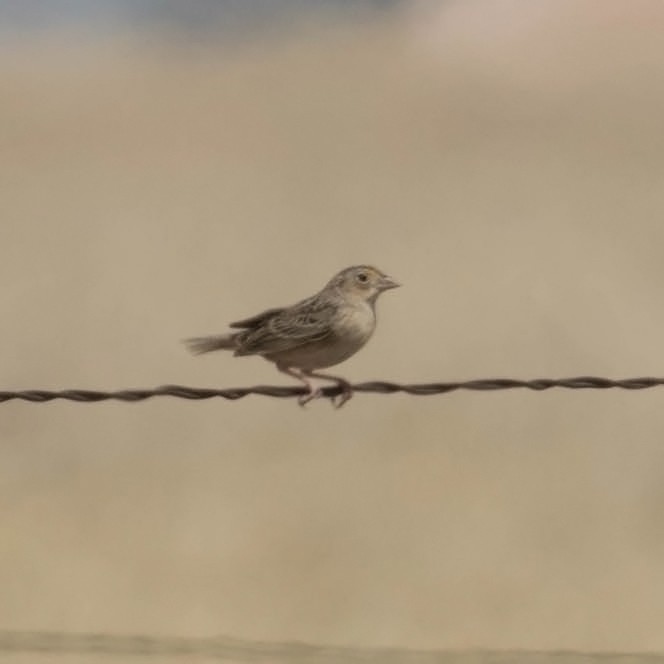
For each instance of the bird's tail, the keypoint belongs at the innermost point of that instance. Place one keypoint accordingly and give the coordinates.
(198, 345)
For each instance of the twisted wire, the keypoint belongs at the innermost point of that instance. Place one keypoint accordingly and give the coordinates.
(377, 387)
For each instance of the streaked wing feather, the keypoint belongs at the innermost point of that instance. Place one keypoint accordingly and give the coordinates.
(258, 319)
(307, 322)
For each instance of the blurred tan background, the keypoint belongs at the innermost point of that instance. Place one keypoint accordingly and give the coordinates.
(505, 162)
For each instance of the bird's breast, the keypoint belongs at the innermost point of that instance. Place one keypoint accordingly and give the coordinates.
(355, 324)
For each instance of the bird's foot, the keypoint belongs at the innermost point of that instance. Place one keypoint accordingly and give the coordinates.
(304, 399)
(345, 394)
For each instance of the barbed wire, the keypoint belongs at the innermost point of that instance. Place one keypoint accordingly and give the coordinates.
(330, 391)
(244, 650)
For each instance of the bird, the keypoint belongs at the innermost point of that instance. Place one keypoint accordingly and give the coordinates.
(316, 333)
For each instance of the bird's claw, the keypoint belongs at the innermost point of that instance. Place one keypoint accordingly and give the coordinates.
(343, 396)
(337, 400)
(309, 396)
(340, 399)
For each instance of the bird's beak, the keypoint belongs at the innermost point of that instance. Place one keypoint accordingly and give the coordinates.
(387, 282)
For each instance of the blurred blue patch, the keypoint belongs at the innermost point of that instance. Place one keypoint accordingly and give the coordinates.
(198, 15)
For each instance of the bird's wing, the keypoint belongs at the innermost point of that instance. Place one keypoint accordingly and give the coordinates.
(305, 323)
(258, 319)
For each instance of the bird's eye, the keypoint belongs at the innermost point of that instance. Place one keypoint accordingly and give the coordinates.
(363, 277)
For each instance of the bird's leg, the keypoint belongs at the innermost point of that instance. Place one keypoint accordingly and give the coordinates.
(295, 373)
(344, 385)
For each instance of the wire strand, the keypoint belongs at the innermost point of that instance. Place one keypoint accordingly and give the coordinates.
(377, 387)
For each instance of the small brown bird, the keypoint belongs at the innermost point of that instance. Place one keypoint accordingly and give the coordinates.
(313, 334)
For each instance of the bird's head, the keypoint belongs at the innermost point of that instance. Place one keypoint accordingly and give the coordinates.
(362, 282)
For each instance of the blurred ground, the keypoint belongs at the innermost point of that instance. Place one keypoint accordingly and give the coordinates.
(506, 167)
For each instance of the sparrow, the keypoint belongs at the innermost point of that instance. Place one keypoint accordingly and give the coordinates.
(316, 333)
